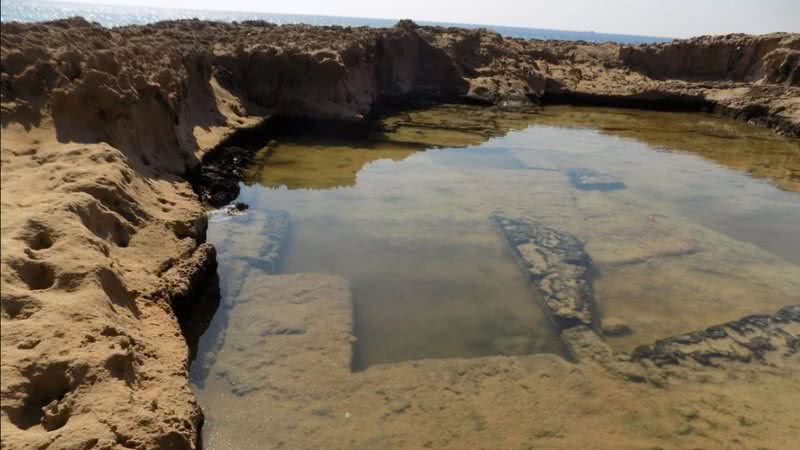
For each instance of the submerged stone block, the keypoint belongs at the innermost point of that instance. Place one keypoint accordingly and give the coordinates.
(592, 180)
(752, 338)
(556, 265)
(249, 245)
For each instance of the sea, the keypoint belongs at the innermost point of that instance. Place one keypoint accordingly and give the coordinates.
(117, 15)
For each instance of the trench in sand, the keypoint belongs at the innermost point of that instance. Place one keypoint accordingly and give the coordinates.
(677, 243)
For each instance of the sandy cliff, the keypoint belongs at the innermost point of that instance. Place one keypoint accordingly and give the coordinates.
(103, 239)
(769, 58)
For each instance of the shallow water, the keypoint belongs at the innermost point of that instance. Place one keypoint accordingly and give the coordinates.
(689, 220)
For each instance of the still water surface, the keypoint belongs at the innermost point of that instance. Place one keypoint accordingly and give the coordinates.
(689, 220)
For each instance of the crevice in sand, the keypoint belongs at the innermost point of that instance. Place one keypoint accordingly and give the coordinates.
(647, 100)
(36, 275)
(46, 389)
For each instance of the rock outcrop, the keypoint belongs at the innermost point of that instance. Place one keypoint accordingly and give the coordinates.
(103, 239)
(752, 338)
(131, 85)
(769, 58)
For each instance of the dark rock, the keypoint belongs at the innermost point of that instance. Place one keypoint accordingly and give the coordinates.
(216, 181)
(759, 345)
(642, 352)
(744, 340)
(556, 264)
(789, 313)
(406, 24)
(717, 332)
(475, 99)
(613, 326)
(707, 357)
(236, 209)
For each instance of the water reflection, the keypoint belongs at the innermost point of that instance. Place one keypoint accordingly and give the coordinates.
(756, 150)
(418, 292)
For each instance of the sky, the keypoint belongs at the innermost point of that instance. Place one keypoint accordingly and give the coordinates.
(673, 18)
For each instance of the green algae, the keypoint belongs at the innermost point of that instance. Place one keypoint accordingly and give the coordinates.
(313, 165)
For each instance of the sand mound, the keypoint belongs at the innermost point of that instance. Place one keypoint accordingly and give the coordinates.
(91, 249)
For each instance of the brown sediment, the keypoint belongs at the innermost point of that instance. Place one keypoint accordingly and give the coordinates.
(103, 237)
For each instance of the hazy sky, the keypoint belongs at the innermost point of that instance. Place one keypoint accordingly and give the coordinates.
(672, 18)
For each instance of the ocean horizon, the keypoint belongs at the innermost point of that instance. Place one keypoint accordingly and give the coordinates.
(117, 15)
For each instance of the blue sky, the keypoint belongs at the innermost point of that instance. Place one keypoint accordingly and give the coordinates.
(673, 18)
